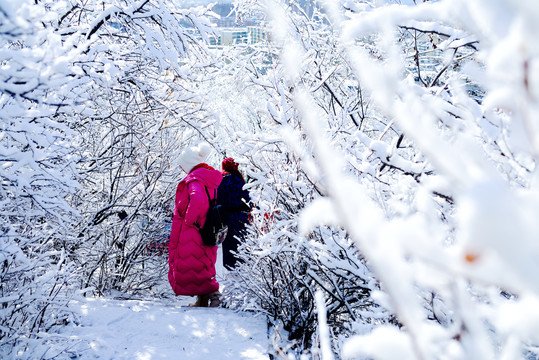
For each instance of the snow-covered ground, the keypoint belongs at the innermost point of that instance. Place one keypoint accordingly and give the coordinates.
(166, 329)
(142, 330)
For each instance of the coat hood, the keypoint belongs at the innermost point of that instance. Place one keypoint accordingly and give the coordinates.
(207, 175)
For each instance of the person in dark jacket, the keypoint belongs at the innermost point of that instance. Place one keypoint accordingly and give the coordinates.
(235, 200)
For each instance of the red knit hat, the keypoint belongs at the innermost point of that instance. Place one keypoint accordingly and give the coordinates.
(229, 164)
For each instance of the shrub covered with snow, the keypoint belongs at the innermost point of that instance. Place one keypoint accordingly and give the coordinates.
(37, 176)
(414, 125)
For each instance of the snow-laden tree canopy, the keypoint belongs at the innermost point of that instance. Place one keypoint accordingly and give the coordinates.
(390, 150)
(449, 230)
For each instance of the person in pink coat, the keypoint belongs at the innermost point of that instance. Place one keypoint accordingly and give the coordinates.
(191, 263)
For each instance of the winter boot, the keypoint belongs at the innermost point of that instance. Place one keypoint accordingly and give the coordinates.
(215, 299)
(202, 301)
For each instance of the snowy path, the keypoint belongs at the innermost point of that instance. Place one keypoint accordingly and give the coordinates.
(168, 329)
(141, 330)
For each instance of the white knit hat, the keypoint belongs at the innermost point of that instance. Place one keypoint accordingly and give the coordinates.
(194, 155)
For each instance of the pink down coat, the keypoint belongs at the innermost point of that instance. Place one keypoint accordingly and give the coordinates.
(191, 263)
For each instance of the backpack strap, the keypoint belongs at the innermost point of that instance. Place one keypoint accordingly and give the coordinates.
(214, 195)
(209, 202)
(207, 193)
